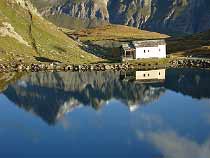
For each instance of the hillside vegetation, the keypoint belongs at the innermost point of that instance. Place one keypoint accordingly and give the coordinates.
(115, 33)
(25, 34)
(197, 45)
(105, 41)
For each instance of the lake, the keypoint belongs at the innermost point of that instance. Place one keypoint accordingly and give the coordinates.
(148, 114)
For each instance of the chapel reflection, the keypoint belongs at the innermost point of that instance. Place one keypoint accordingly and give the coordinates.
(147, 76)
(52, 94)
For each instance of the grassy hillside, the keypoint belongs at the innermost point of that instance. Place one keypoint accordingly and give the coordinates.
(115, 33)
(24, 34)
(105, 41)
(197, 45)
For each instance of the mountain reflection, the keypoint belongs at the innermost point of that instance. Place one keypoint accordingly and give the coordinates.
(191, 82)
(52, 94)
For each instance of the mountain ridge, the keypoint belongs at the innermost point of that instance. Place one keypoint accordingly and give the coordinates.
(170, 16)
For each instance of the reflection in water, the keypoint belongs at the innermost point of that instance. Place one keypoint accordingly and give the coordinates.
(51, 95)
(174, 105)
(149, 76)
(191, 82)
(153, 75)
(175, 146)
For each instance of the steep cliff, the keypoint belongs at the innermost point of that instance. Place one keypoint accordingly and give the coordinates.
(179, 16)
(169, 16)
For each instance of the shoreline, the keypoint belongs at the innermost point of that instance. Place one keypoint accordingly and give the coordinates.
(182, 62)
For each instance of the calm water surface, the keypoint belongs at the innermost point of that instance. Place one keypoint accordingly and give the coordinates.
(106, 114)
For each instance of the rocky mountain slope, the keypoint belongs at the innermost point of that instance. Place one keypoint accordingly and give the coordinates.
(168, 16)
(25, 35)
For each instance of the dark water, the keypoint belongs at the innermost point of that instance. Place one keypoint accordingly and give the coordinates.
(105, 114)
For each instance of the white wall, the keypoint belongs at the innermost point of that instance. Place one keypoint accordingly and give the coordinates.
(151, 52)
(151, 74)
